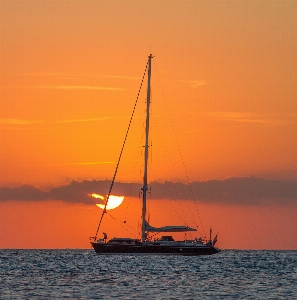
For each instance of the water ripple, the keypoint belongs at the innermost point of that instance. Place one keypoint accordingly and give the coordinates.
(81, 274)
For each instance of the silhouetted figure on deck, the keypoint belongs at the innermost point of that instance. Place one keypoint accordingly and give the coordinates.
(104, 237)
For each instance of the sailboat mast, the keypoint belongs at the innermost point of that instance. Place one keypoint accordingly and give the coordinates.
(145, 188)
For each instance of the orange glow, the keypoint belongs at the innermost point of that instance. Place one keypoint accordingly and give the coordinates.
(62, 225)
(224, 75)
(113, 201)
(97, 196)
(67, 107)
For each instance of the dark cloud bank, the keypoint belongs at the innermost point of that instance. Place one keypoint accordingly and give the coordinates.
(245, 190)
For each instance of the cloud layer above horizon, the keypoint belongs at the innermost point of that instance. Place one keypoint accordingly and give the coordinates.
(243, 190)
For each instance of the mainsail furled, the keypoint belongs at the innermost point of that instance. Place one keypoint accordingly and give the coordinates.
(149, 228)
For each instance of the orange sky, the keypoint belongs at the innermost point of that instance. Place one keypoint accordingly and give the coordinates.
(60, 225)
(70, 72)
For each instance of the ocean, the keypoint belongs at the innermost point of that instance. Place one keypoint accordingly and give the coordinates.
(82, 274)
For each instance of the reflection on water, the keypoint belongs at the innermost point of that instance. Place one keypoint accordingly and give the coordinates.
(83, 274)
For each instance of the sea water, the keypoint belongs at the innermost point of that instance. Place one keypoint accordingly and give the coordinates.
(82, 274)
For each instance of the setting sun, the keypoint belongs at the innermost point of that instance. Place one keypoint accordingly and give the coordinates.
(113, 201)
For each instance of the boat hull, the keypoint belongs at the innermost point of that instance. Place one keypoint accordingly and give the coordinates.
(105, 248)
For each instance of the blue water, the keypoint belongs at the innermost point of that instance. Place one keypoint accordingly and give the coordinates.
(81, 274)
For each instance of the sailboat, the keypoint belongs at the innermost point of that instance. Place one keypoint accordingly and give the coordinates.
(166, 245)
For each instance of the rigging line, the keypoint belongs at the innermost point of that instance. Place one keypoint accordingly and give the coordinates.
(170, 199)
(166, 158)
(184, 166)
(168, 161)
(151, 132)
(129, 196)
(117, 166)
(164, 150)
(171, 167)
(125, 225)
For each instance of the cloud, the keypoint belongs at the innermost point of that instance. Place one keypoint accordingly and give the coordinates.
(244, 190)
(93, 163)
(84, 120)
(121, 77)
(78, 76)
(7, 121)
(11, 121)
(22, 193)
(252, 118)
(239, 117)
(194, 83)
(73, 87)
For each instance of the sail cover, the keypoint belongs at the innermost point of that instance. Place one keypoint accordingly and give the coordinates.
(149, 228)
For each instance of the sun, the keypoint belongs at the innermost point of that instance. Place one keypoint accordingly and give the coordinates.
(113, 201)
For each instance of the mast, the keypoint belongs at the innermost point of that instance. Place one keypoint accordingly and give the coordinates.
(145, 188)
